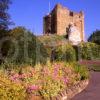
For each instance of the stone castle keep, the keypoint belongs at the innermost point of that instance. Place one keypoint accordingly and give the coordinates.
(59, 20)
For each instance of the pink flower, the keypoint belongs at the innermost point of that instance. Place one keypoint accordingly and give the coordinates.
(14, 77)
(45, 71)
(57, 66)
(56, 71)
(22, 76)
(32, 88)
(65, 80)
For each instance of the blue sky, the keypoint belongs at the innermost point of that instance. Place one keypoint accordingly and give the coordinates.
(29, 13)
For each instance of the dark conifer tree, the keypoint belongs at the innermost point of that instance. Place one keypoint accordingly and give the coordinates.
(4, 16)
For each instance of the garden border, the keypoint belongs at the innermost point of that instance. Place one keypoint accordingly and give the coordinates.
(66, 94)
(71, 92)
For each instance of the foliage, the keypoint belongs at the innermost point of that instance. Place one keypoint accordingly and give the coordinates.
(65, 53)
(22, 47)
(4, 16)
(53, 82)
(52, 40)
(51, 88)
(81, 70)
(46, 81)
(10, 90)
(58, 48)
(89, 51)
(3, 33)
(95, 37)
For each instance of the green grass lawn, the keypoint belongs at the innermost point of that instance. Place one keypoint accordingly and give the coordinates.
(93, 65)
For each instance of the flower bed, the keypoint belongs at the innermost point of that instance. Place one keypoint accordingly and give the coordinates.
(44, 81)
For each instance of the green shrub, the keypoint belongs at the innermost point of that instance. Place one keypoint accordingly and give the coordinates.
(52, 40)
(58, 48)
(65, 53)
(81, 70)
(89, 51)
(22, 47)
(51, 88)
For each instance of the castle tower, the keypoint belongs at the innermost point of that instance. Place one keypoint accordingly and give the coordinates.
(59, 19)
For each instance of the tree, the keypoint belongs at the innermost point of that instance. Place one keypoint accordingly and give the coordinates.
(22, 47)
(95, 37)
(4, 16)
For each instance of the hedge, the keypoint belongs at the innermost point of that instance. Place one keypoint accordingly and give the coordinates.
(20, 46)
(89, 51)
(65, 53)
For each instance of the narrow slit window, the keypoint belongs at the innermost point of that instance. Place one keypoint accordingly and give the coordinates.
(71, 14)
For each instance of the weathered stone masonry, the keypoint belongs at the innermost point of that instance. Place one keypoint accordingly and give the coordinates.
(57, 22)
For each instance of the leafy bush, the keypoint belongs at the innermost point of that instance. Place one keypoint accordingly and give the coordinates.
(52, 40)
(51, 88)
(89, 51)
(22, 47)
(81, 70)
(58, 48)
(10, 90)
(65, 53)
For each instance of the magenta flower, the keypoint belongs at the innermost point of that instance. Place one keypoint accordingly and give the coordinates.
(14, 77)
(56, 71)
(32, 88)
(22, 76)
(65, 80)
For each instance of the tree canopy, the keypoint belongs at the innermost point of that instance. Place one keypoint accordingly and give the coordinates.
(20, 46)
(4, 16)
(95, 37)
